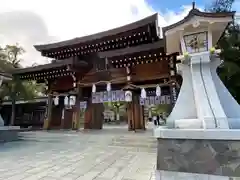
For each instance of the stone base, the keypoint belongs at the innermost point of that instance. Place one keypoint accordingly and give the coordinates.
(171, 175)
(188, 123)
(213, 152)
(9, 133)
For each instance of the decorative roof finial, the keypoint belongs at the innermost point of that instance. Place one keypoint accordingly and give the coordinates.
(193, 5)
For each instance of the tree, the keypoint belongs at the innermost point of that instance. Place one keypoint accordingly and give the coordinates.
(220, 6)
(10, 58)
(229, 71)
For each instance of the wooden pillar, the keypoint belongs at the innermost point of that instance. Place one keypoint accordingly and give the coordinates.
(88, 115)
(76, 110)
(142, 120)
(129, 116)
(61, 111)
(13, 97)
(97, 116)
(47, 120)
(74, 117)
(93, 118)
(135, 114)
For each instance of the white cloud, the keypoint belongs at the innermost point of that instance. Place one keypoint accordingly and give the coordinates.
(31, 22)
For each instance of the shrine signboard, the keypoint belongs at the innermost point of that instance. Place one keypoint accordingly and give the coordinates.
(155, 100)
(105, 96)
(83, 105)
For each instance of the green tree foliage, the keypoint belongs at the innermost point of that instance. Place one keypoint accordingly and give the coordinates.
(10, 59)
(158, 109)
(220, 6)
(115, 107)
(229, 71)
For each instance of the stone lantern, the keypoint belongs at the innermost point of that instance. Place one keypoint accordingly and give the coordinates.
(201, 139)
(205, 94)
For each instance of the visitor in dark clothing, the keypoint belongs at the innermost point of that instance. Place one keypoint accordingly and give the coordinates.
(150, 119)
(155, 120)
(158, 120)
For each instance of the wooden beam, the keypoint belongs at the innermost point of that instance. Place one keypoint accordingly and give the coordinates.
(131, 50)
(123, 80)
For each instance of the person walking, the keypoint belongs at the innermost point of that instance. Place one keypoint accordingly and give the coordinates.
(158, 120)
(155, 120)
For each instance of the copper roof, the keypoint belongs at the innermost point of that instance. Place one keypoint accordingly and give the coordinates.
(196, 12)
(135, 25)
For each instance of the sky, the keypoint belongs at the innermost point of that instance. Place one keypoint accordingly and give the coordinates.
(30, 22)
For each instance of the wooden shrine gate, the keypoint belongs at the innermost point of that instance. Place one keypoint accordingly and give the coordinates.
(128, 59)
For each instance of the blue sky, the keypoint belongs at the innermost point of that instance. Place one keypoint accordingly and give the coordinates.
(174, 5)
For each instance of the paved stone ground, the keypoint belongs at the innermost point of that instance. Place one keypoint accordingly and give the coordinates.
(109, 154)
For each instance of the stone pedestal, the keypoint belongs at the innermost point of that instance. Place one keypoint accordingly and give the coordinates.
(1, 121)
(204, 139)
(198, 154)
(9, 133)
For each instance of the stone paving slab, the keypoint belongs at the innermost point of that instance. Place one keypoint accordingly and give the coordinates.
(108, 154)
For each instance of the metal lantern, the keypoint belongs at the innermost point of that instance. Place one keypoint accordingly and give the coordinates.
(158, 91)
(93, 88)
(128, 96)
(56, 101)
(74, 84)
(143, 93)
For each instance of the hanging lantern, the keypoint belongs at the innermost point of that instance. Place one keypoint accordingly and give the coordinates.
(74, 84)
(143, 94)
(56, 101)
(66, 101)
(93, 88)
(108, 86)
(128, 96)
(72, 100)
(158, 91)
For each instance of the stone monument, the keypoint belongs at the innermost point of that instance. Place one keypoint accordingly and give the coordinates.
(202, 136)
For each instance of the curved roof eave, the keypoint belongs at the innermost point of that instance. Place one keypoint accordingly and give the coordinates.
(58, 64)
(100, 35)
(196, 12)
(6, 75)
